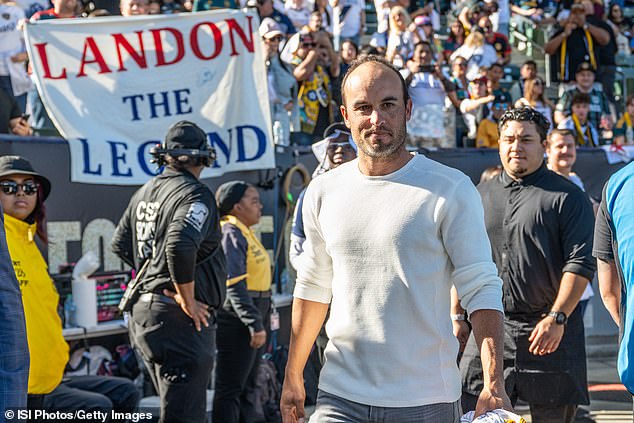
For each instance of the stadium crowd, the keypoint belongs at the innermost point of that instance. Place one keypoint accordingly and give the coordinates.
(455, 57)
(458, 66)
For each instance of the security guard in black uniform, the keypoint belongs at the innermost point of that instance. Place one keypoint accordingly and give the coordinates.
(170, 233)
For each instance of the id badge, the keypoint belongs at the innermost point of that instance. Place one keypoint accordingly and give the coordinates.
(275, 320)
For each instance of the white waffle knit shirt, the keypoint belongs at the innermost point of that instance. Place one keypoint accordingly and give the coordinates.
(385, 250)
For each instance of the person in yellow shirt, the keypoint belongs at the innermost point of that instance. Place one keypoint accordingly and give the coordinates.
(22, 195)
(624, 131)
(243, 319)
(488, 134)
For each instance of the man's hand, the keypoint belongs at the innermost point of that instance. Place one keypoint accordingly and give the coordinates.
(570, 26)
(461, 331)
(546, 337)
(257, 339)
(199, 312)
(292, 401)
(491, 399)
(19, 126)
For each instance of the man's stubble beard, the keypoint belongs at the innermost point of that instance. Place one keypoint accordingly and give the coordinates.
(384, 152)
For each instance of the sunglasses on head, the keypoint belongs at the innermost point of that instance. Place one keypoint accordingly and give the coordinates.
(12, 187)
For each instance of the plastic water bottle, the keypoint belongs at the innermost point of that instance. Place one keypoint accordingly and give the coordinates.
(69, 312)
(278, 134)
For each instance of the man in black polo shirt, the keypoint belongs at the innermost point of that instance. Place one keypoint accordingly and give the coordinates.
(540, 227)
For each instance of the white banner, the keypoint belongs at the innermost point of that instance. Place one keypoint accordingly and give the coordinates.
(114, 85)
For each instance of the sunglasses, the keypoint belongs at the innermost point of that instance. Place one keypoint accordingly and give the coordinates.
(277, 38)
(11, 187)
(345, 145)
(309, 45)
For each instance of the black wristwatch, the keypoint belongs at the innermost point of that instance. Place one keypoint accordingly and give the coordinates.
(559, 316)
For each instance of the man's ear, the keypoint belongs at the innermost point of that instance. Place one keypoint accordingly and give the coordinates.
(408, 109)
(344, 113)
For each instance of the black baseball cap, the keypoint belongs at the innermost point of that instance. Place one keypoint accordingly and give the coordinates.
(185, 135)
(584, 66)
(14, 165)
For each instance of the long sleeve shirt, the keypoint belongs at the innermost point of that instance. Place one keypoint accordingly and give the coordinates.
(385, 250)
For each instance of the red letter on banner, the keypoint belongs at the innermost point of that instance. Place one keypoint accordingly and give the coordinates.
(98, 58)
(233, 26)
(41, 50)
(138, 57)
(193, 40)
(158, 44)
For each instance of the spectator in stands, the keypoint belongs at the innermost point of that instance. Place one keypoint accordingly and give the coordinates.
(281, 83)
(244, 318)
(500, 14)
(622, 23)
(133, 7)
(470, 15)
(534, 97)
(327, 16)
(424, 27)
(315, 23)
(600, 115)
(60, 9)
(498, 41)
(12, 121)
(606, 67)
(455, 39)
(298, 12)
(477, 54)
(400, 41)
(488, 134)
(427, 87)
(459, 79)
(22, 194)
(585, 132)
(475, 108)
(527, 71)
(154, 8)
(575, 42)
(624, 131)
(315, 65)
(170, 6)
(348, 53)
(266, 10)
(527, 9)
(349, 21)
(13, 77)
(494, 75)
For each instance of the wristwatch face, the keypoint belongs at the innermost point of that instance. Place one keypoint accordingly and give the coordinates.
(561, 318)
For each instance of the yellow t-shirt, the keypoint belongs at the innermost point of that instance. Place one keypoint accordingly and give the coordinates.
(488, 134)
(47, 347)
(258, 263)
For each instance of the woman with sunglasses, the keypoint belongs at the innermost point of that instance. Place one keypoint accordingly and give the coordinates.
(22, 195)
(534, 97)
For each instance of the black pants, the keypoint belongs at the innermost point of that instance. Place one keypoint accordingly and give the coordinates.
(237, 367)
(178, 357)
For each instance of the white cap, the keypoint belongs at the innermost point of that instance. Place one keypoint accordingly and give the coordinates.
(269, 28)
